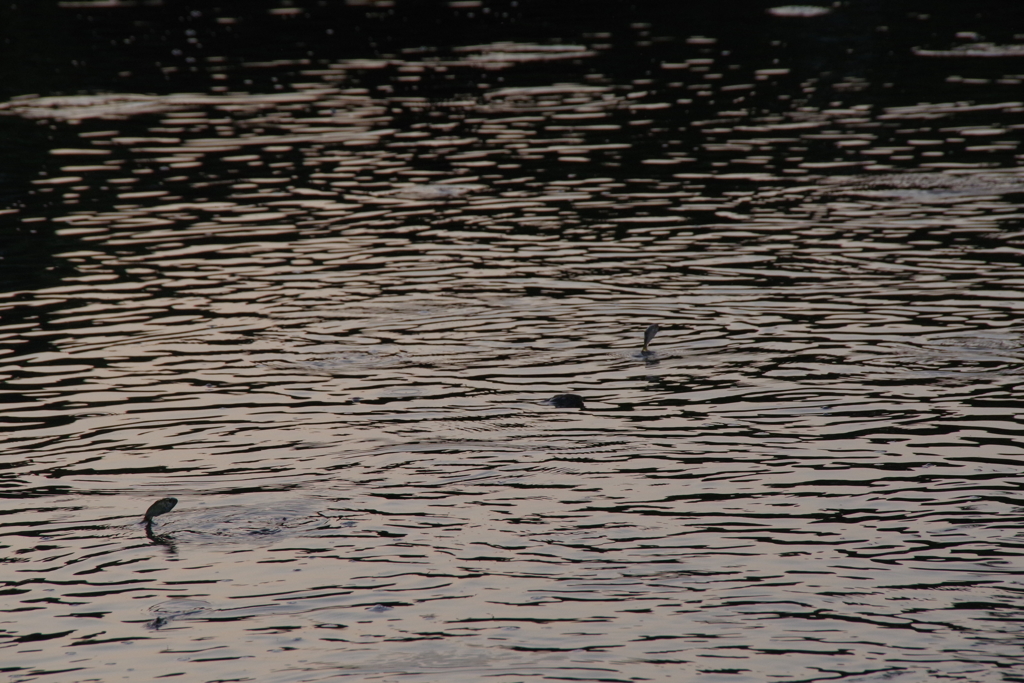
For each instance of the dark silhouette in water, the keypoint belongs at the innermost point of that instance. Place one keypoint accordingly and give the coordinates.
(649, 337)
(160, 507)
(566, 401)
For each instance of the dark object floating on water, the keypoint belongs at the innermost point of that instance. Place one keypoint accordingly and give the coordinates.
(566, 401)
(649, 337)
(160, 507)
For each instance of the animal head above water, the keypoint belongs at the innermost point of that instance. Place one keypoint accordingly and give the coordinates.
(566, 401)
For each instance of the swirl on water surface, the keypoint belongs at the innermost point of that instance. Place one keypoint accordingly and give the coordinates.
(340, 363)
(173, 610)
(254, 523)
(435, 190)
(930, 187)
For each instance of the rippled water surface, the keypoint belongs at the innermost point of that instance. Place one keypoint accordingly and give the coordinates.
(313, 271)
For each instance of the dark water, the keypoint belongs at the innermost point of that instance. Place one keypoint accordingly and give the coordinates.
(313, 269)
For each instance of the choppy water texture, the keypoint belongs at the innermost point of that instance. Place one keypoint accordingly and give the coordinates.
(322, 300)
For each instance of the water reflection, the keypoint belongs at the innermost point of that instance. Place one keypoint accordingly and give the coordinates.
(327, 318)
(161, 539)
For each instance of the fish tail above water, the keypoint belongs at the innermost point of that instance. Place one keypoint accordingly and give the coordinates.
(160, 507)
(649, 336)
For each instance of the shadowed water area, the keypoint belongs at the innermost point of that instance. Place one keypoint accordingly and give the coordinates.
(316, 272)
